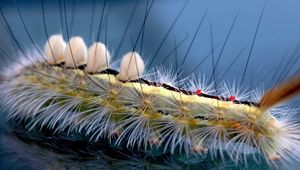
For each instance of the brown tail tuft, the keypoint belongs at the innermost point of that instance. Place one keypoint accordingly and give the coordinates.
(281, 93)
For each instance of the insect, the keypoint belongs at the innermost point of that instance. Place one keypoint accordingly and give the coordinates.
(72, 90)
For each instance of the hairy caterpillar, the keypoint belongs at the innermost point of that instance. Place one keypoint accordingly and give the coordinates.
(139, 114)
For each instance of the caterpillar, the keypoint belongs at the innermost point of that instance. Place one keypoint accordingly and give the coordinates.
(72, 92)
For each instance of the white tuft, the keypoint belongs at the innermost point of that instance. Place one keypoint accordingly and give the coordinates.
(132, 67)
(228, 90)
(76, 52)
(168, 76)
(200, 83)
(55, 49)
(24, 60)
(98, 58)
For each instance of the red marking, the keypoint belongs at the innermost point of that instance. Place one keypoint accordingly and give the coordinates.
(232, 98)
(198, 91)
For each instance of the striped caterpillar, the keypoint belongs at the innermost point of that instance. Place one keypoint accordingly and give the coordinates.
(74, 91)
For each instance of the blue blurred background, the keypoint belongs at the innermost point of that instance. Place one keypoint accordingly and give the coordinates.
(274, 56)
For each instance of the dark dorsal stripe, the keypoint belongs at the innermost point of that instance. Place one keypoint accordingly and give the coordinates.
(168, 87)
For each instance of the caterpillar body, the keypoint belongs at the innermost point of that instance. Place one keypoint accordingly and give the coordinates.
(74, 92)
